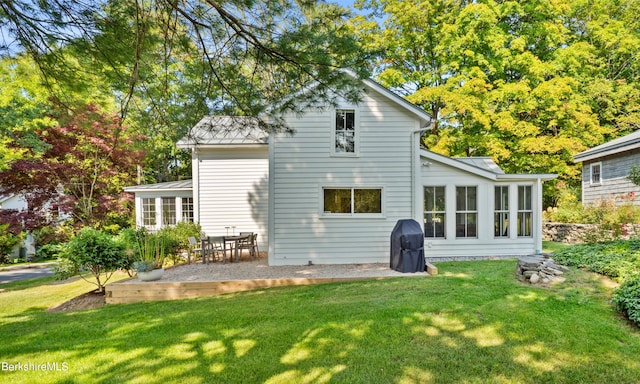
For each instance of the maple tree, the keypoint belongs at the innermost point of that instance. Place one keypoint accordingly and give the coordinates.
(89, 157)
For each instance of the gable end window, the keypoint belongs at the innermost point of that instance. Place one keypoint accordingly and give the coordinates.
(596, 173)
(352, 201)
(345, 131)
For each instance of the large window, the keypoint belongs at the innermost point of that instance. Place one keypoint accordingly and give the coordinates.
(149, 211)
(501, 212)
(168, 210)
(187, 209)
(345, 133)
(525, 211)
(596, 173)
(352, 200)
(466, 212)
(434, 212)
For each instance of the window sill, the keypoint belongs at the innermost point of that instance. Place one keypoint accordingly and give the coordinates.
(346, 154)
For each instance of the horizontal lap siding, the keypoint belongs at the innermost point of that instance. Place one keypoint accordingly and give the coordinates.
(615, 184)
(437, 174)
(234, 191)
(303, 164)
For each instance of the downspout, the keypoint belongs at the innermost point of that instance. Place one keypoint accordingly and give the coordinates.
(415, 172)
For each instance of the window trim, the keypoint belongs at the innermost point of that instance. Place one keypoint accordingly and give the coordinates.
(503, 210)
(444, 212)
(591, 167)
(352, 214)
(467, 212)
(356, 133)
(524, 211)
(153, 214)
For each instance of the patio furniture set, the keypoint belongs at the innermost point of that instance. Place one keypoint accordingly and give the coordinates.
(214, 248)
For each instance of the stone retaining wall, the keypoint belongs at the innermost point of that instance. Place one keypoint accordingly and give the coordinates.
(576, 233)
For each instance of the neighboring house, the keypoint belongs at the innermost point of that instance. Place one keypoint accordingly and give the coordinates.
(333, 191)
(605, 169)
(15, 202)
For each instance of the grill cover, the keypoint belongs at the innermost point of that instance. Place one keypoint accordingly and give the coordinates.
(407, 247)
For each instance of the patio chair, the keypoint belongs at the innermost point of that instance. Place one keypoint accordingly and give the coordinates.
(249, 243)
(215, 249)
(194, 249)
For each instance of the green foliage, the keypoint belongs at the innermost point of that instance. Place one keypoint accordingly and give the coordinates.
(627, 298)
(7, 241)
(178, 239)
(528, 83)
(634, 174)
(152, 250)
(619, 260)
(97, 253)
(50, 251)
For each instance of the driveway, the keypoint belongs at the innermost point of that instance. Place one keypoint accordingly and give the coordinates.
(31, 271)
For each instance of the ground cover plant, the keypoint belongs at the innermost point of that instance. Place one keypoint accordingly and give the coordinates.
(619, 260)
(472, 323)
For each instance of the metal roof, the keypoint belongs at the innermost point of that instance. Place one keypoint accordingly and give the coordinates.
(621, 144)
(182, 185)
(485, 163)
(225, 130)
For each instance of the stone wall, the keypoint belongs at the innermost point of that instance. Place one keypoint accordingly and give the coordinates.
(576, 233)
(565, 233)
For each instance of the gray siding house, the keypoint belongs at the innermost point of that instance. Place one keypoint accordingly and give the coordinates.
(605, 169)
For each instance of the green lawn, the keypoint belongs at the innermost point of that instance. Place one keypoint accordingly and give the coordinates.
(473, 323)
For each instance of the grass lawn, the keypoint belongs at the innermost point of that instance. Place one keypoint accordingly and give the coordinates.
(473, 323)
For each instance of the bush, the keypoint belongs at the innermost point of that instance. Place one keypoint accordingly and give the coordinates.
(7, 241)
(49, 251)
(627, 298)
(619, 260)
(177, 239)
(97, 253)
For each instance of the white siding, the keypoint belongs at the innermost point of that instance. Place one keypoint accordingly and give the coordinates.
(437, 174)
(303, 164)
(233, 191)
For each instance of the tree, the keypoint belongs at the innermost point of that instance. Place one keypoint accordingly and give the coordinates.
(89, 157)
(96, 252)
(529, 83)
(251, 56)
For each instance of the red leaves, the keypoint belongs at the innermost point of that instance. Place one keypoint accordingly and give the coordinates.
(90, 158)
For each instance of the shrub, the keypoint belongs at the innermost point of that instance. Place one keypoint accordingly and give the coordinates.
(7, 241)
(627, 298)
(177, 238)
(97, 253)
(49, 251)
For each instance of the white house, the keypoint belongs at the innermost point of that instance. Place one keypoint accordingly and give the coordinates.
(333, 191)
(13, 202)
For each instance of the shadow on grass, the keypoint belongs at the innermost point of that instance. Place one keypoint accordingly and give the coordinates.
(475, 324)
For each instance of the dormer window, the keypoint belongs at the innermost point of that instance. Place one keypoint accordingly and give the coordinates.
(345, 132)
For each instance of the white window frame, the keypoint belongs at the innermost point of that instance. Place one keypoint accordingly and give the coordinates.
(356, 132)
(443, 213)
(502, 211)
(524, 211)
(591, 167)
(149, 202)
(352, 213)
(467, 212)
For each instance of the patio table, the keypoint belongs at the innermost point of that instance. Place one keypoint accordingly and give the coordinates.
(235, 239)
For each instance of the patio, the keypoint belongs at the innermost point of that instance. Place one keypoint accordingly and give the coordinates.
(197, 280)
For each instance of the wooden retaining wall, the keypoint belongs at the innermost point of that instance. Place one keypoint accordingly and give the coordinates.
(132, 291)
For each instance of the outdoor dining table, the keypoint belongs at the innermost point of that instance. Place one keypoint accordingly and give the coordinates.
(235, 239)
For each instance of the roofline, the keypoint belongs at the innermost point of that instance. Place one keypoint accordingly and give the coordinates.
(401, 101)
(218, 146)
(594, 153)
(458, 164)
(527, 176)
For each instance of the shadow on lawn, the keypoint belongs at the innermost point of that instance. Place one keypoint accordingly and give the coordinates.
(461, 328)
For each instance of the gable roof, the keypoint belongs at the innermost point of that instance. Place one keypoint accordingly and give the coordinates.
(224, 130)
(482, 166)
(621, 144)
(413, 109)
(182, 185)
